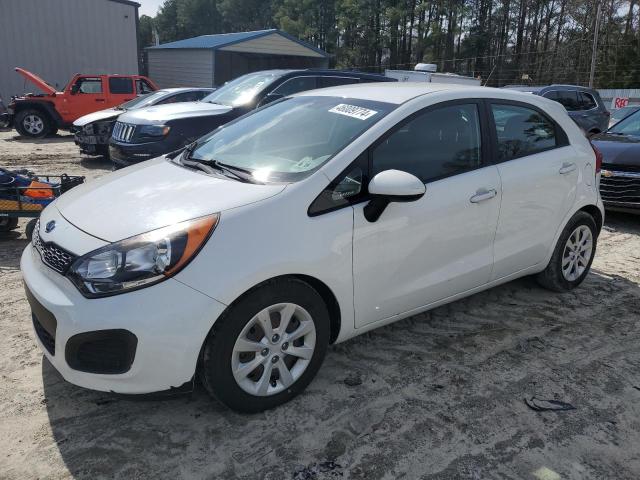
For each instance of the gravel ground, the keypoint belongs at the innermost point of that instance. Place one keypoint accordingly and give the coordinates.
(437, 396)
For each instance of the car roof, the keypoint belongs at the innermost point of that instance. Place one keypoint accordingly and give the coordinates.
(400, 92)
(184, 89)
(325, 72)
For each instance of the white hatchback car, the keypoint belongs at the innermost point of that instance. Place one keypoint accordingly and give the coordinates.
(307, 222)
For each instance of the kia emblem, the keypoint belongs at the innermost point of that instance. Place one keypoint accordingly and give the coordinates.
(50, 226)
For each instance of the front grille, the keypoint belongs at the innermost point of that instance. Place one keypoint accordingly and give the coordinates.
(620, 184)
(53, 256)
(48, 340)
(123, 132)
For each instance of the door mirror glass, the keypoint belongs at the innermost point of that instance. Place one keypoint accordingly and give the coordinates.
(392, 186)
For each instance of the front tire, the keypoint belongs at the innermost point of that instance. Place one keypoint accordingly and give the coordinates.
(573, 255)
(267, 347)
(33, 123)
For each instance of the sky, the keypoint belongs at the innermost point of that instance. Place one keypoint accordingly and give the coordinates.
(149, 7)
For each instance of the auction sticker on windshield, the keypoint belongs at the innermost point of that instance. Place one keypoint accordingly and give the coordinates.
(353, 111)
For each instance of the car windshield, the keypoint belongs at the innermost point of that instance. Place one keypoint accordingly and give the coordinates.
(620, 113)
(628, 126)
(290, 139)
(243, 89)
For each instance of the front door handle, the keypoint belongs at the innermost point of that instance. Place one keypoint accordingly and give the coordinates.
(482, 195)
(567, 167)
(100, 100)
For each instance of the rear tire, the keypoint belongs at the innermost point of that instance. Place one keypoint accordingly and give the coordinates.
(251, 362)
(573, 255)
(33, 123)
(8, 223)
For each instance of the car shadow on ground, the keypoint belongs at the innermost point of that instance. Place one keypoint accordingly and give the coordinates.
(97, 163)
(380, 403)
(57, 138)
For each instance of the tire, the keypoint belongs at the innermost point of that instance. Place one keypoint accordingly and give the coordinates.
(576, 265)
(28, 230)
(33, 123)
(8, 223)
(254, 391)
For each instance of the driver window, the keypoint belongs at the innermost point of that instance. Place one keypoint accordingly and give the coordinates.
(295, 85)
(89, 85)
(436, 144)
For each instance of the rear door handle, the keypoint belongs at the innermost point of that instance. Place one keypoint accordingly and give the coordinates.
(567, 167)
(482, 195)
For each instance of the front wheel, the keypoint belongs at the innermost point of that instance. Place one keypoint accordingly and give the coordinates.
(573, 255)
(267, 347)
(33, 123)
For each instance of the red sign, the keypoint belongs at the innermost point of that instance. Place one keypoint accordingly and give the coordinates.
(620, 102)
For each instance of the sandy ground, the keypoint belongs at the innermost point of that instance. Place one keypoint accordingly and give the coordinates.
(437, 396)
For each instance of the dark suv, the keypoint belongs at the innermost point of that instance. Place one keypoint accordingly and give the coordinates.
(147, 133)
(583, 104)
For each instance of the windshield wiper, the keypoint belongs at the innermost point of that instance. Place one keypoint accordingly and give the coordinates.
(238, 172)
(213, 166)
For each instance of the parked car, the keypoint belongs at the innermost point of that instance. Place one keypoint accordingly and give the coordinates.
(93, 131)
(39, 115)
(620, 180)
(584, 104)
(147, 133)
(305, 223)
(620, 113)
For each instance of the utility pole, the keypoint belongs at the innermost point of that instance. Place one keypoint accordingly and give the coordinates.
(595, 46)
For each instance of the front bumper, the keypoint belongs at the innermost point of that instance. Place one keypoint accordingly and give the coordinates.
(92, 144)
(125, 154)
(169, 320)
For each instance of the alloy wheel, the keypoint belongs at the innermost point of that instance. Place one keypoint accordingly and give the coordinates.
(33, 124)
(577, 253)
(274, 349)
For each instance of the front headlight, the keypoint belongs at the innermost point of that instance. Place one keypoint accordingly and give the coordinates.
(154, 130)
(141, 261)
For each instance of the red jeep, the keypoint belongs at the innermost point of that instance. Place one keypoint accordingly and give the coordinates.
(38, 115)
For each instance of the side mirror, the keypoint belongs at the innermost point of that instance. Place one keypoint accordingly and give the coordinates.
(75, 88)
(392, 186)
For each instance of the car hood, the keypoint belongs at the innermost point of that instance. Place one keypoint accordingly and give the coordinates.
(164, 113)
(36, 80)
(152, 195)
(108, 113)
(618, 149)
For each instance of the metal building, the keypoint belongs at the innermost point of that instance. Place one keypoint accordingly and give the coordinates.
(211, 60)
(58, 38)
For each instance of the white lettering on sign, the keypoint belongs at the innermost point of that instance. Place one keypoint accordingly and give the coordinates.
(354, 111)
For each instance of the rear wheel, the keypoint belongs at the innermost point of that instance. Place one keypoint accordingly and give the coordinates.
(8, 223)
(33, 123)
(267, 347)
(573, 255)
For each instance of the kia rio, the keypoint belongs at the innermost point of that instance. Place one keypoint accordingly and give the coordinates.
(307, 222)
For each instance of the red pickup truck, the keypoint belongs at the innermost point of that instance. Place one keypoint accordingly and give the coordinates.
(38, 115)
